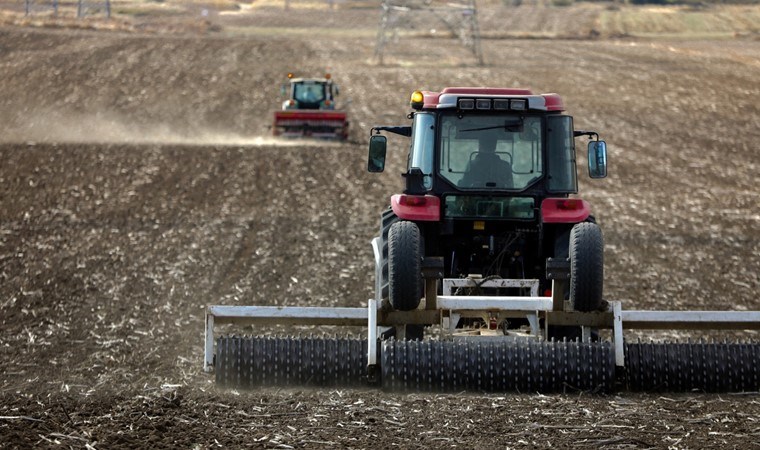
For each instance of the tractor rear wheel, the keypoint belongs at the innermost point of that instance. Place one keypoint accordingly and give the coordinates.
(387, 219)
(405, 265)
(586, 266)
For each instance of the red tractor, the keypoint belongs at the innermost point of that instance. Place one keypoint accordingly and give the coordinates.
(489, 180)
(309, 110)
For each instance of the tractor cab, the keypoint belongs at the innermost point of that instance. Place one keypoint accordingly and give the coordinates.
(310, 93)
(494, 141)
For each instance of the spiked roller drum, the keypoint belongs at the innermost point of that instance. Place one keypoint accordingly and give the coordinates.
(693, 366)
(499, 365)
(248, 362)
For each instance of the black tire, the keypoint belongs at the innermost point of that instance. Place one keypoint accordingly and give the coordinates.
(387, 219)
(405, 265)
(586, 267)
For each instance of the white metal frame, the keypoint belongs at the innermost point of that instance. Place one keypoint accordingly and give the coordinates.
(452, 307)
(369, 316)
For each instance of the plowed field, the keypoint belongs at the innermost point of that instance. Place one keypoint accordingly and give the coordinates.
(138, 184)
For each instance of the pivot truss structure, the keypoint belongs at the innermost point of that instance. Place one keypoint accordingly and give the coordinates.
(32, 6)
(88, 7)
(404, 16)
(83, 8)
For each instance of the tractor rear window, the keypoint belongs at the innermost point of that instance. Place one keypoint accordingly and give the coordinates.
(491, 151)
(489, 207)
(309, 92)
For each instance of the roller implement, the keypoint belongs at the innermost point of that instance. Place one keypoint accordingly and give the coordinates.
(489, 276)
(309, 110)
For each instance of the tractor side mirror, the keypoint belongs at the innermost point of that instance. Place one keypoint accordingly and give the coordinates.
(597, 159)
(283, 91)
(377, 147)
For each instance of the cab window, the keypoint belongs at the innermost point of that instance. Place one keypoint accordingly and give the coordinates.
(423, 144)
(309, 92)
(561, 154)
(491, 151)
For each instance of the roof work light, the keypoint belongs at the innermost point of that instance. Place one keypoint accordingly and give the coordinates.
(418, 100)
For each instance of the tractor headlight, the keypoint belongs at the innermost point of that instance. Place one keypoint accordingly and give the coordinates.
(500, 104)
(519, 104)
(483, 103)
(466, 103)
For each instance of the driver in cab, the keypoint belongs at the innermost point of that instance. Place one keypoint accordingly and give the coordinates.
(486, 169)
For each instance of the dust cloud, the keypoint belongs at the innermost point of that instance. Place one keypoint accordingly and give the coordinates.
(105, 128)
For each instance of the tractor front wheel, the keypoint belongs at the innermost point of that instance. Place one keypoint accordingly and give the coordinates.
(405, 265)
(586, 266)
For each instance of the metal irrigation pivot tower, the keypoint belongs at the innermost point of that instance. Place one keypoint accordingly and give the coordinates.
(460, 19)
(30, 6)
(83, 6)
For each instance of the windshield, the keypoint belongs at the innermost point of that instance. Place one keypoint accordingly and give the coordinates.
(480, 151)
(309, 92)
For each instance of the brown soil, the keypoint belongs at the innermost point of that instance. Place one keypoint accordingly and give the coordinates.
(138, 184)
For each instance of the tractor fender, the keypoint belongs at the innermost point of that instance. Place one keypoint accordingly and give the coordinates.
(564, 210)
(424, 208)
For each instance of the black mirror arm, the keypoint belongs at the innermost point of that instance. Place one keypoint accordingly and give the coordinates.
(590, 134)
(403, 131)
